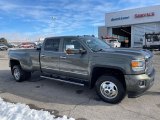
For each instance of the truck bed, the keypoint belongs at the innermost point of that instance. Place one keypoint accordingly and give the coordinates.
(29, 58)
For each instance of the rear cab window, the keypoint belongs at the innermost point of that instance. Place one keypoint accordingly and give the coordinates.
(52, 44)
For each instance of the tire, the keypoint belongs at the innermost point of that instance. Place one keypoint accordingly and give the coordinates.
(105, 85)
(18, 74)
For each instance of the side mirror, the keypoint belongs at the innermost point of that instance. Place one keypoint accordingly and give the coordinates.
(82, 51)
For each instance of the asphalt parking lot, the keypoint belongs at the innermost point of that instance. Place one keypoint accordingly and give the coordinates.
(78, 102)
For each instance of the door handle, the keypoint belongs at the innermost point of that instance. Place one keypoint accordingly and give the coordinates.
(63, 57)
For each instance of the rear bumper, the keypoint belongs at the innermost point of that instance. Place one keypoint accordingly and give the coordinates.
(138, 84)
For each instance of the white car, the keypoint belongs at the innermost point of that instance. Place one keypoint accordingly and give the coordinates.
(3, 47)
(114, 43)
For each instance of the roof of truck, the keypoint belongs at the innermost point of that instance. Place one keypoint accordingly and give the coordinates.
(70, 36)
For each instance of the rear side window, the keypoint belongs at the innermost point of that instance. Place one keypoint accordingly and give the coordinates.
(52, 45)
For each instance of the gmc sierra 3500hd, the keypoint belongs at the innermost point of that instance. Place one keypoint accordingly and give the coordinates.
(86, 60)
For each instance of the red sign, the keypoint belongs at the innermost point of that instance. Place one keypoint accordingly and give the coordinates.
(144, 15)
(109, 37)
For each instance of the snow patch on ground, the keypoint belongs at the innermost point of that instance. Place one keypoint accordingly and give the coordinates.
(11, 111)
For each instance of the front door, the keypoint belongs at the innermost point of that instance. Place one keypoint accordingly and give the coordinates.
(73, 65)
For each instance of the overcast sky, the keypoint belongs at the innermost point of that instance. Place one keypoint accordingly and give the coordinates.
(31, 19)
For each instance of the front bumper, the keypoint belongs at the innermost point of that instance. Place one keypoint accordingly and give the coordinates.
(138, 84)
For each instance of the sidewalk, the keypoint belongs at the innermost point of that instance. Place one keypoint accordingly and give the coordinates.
(3, 55)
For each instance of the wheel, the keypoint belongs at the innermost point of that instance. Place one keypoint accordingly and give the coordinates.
(110, 89)
(18, 73)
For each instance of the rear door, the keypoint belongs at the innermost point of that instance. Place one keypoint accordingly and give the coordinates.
(50, 54)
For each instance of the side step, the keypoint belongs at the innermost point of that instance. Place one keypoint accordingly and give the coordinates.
(56, 79)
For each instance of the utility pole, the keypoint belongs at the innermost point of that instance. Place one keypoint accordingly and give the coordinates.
(54, 19)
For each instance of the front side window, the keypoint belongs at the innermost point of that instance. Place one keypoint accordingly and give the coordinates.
(71, 43)
(52, 45)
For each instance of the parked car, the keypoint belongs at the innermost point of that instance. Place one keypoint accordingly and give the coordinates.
(152, 41)
(11, 45)
(27, 45)
(86, 60)
(115, 43)
(3, 47)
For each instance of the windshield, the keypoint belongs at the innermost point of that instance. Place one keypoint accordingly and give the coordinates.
(96, 44)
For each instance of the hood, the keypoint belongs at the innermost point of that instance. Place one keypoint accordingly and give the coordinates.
(136, 53)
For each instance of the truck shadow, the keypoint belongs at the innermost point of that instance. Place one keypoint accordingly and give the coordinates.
(48, 91)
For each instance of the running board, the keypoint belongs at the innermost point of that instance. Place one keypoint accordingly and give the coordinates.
(80, 84)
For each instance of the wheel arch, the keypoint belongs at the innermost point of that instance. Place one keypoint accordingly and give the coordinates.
(98, 71)
(14, 62)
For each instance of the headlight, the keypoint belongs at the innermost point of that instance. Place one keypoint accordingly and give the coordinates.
(138, 65)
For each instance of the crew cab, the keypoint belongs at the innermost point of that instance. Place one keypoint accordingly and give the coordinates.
(87, 60)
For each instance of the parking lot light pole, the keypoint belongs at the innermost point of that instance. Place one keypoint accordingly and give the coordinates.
(54, 19)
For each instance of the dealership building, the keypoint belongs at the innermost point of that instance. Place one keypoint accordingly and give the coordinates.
(131, 25)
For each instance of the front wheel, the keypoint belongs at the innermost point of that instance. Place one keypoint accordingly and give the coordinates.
(110, 89)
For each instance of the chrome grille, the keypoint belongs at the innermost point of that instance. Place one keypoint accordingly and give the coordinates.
(149, 65)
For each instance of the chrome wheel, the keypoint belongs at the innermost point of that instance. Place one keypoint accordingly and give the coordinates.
(16, 74)
(109, 89)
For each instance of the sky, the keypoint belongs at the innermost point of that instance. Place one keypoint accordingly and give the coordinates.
(34, 19)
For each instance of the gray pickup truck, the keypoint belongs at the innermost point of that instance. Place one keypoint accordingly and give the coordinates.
(86, 60)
